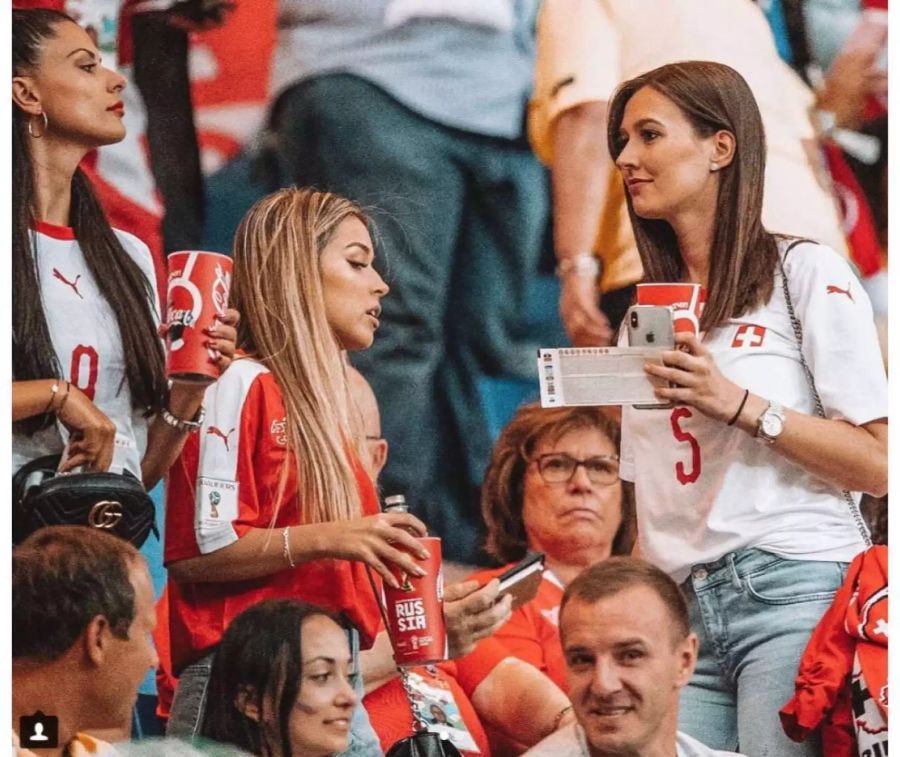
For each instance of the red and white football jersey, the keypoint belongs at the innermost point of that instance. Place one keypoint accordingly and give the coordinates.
(705, 489)
(225, 483)
(87, 343)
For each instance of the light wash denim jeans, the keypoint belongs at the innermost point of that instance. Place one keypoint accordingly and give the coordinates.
(189, 706)
(754, 613)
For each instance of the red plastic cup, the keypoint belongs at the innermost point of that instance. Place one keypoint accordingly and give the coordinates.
(199, 283)
(686, 301)
(415, 611)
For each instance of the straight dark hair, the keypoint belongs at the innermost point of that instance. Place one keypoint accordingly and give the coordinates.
(259, 658)
(713, 97)
(120, 280)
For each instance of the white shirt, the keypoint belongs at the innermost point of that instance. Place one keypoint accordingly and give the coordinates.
(87, 344)
(705, 489)
(570, 742)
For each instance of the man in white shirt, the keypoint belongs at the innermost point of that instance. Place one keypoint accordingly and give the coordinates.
(629, 651)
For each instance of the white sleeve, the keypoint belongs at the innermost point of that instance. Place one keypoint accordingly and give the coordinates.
(840, 342)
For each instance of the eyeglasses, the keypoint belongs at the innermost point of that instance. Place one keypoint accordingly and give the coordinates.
(559, 468)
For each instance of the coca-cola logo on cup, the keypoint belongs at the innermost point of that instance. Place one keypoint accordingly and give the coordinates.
(220, 288)
(185, 305)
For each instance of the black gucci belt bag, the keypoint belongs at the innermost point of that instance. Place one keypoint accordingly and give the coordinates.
(114, 502)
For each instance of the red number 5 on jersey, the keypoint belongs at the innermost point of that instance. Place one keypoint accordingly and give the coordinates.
(683, 476)
(86, 359)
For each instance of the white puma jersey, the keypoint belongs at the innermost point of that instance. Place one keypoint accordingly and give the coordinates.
(86, 340)
(704, 488)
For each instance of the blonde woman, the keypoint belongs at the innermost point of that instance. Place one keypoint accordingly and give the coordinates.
(270, 499)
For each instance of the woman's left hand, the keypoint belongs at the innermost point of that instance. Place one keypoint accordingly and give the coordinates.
(223, 337)
(697, 379)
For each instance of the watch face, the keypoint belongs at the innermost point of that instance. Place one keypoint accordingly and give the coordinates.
(772, 425)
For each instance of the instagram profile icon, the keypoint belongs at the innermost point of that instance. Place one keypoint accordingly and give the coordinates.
(39, 731)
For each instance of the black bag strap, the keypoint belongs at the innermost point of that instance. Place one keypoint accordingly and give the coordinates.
(820, 409)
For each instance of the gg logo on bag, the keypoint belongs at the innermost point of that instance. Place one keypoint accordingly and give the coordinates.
(105, 514)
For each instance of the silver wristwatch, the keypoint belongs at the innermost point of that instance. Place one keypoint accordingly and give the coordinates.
(770, 424)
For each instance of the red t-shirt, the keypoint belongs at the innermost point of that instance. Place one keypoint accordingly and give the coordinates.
(450, 684)
(532, 633)
(226, 483)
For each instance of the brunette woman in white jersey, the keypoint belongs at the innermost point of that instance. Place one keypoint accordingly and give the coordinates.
(87, 359)
(739, 485)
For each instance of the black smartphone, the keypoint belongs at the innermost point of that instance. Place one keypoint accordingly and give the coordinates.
(523, 579)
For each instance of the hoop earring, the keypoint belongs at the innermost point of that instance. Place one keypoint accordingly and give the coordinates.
(31, 126)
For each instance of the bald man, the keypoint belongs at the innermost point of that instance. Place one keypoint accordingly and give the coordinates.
(370, 418)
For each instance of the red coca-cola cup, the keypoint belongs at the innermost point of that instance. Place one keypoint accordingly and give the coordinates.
(415, 611)
(686, 301)
(198, 291)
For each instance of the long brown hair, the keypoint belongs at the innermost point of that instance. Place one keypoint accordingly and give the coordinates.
(120, 280)
(713, 97)
(503, 491)
(278, 290)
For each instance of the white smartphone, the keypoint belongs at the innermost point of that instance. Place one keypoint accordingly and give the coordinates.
(650, 326)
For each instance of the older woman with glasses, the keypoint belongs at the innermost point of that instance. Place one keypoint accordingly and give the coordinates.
(553, 486)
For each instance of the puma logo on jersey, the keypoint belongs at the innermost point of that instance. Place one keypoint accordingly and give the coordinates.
(749, 335)
(64, 280)
(215, 431)
(832, 289)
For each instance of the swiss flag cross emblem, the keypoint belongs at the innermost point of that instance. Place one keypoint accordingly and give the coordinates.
(749, 335)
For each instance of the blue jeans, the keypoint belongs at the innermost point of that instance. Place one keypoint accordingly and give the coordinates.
(189, 706)
(754, 613)
(460, 220)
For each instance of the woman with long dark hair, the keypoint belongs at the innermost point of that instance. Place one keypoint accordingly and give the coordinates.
(282, 682)
(739, 485)
(88, 364)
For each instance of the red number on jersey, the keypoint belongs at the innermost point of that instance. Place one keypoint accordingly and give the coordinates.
(79, 354)
(683, 436)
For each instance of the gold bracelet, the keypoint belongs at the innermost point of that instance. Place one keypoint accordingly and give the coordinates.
(65, 398)
(286, 548)
(54, 390)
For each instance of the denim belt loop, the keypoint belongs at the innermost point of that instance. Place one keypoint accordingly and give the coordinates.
(735, 576)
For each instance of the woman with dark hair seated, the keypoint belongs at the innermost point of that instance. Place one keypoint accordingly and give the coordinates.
(282, 682)
(553, 486)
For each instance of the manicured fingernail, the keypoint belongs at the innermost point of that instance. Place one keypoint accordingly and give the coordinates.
(419, 572)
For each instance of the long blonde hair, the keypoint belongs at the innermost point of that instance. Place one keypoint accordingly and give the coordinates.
(278, 290)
